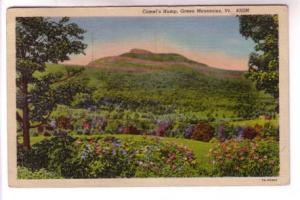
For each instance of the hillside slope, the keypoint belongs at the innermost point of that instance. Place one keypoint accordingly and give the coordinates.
(166, 84)
(143, 61)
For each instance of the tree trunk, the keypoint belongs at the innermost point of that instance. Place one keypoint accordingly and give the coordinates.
(26, 124)
(26, 138)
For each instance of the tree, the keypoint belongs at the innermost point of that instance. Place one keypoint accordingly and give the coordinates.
(246, 106)
(264, 62)
(39, 41)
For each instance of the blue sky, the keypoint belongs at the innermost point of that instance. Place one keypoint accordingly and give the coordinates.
(208, 37)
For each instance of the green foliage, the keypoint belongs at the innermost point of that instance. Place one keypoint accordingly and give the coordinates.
(51, 90)
(171, 91)
(246, 106)
(34, 158)
(200, 149)
(41, 40)
(225, 131)
(82, 100)
(269, 130)
(167, 160)
(112, 126)
(33, 33)
(25, 173)
(56, 148)
(264, 62)
(246, 158)
(111, 157)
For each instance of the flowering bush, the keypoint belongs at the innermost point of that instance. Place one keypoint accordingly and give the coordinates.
(268, 130)
(162, 128)
(110, 157)
(203, 132)
(165, 160)
(188, 131)
(246, 158)
(249, 132)
(226, 131)
(64, 123)
(130, 129)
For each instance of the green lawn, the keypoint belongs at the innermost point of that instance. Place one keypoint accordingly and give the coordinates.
(253, 122)
(200, 149)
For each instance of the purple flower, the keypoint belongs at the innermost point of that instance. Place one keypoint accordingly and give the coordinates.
(84, 155)
(188, 131)
(88, 147)
(239, 133)
(116, 144)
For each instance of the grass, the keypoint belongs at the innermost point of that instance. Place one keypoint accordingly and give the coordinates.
(200, 149)
(258, 121)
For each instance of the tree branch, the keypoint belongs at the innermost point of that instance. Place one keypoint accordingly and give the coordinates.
(19, 118)
(42, 123)
(37, 125)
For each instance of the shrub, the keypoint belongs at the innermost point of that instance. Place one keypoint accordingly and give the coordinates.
(188, 131)
(44, 153)
(258, 128)
(34, 158)
(246, 158)
(113, 126)
(64, 123)
(268, 130)
(60, 156)
(130, 130)
(25, 173)
(214, 140)
(162, 128)
(166, 160)
(249, 132)
(203, 132)
(109, 157)
(229, 132)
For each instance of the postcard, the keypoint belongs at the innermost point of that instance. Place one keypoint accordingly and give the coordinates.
(148, 96)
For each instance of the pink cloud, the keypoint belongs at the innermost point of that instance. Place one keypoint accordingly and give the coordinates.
(214, 59)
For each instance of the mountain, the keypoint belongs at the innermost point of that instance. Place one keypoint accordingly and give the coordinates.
(142, 61)
(167, 83)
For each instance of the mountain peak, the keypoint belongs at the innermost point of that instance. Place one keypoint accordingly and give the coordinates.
(140, 51)
(141, 60)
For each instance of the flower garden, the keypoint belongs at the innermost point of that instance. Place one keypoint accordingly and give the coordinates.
(196, 150)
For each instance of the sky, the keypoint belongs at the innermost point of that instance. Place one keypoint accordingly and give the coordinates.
(215, 41)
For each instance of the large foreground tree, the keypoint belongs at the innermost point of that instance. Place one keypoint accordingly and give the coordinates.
(264, 61)
(39, 41)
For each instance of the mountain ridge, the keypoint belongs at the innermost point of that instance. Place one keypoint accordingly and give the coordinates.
(144, 61)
